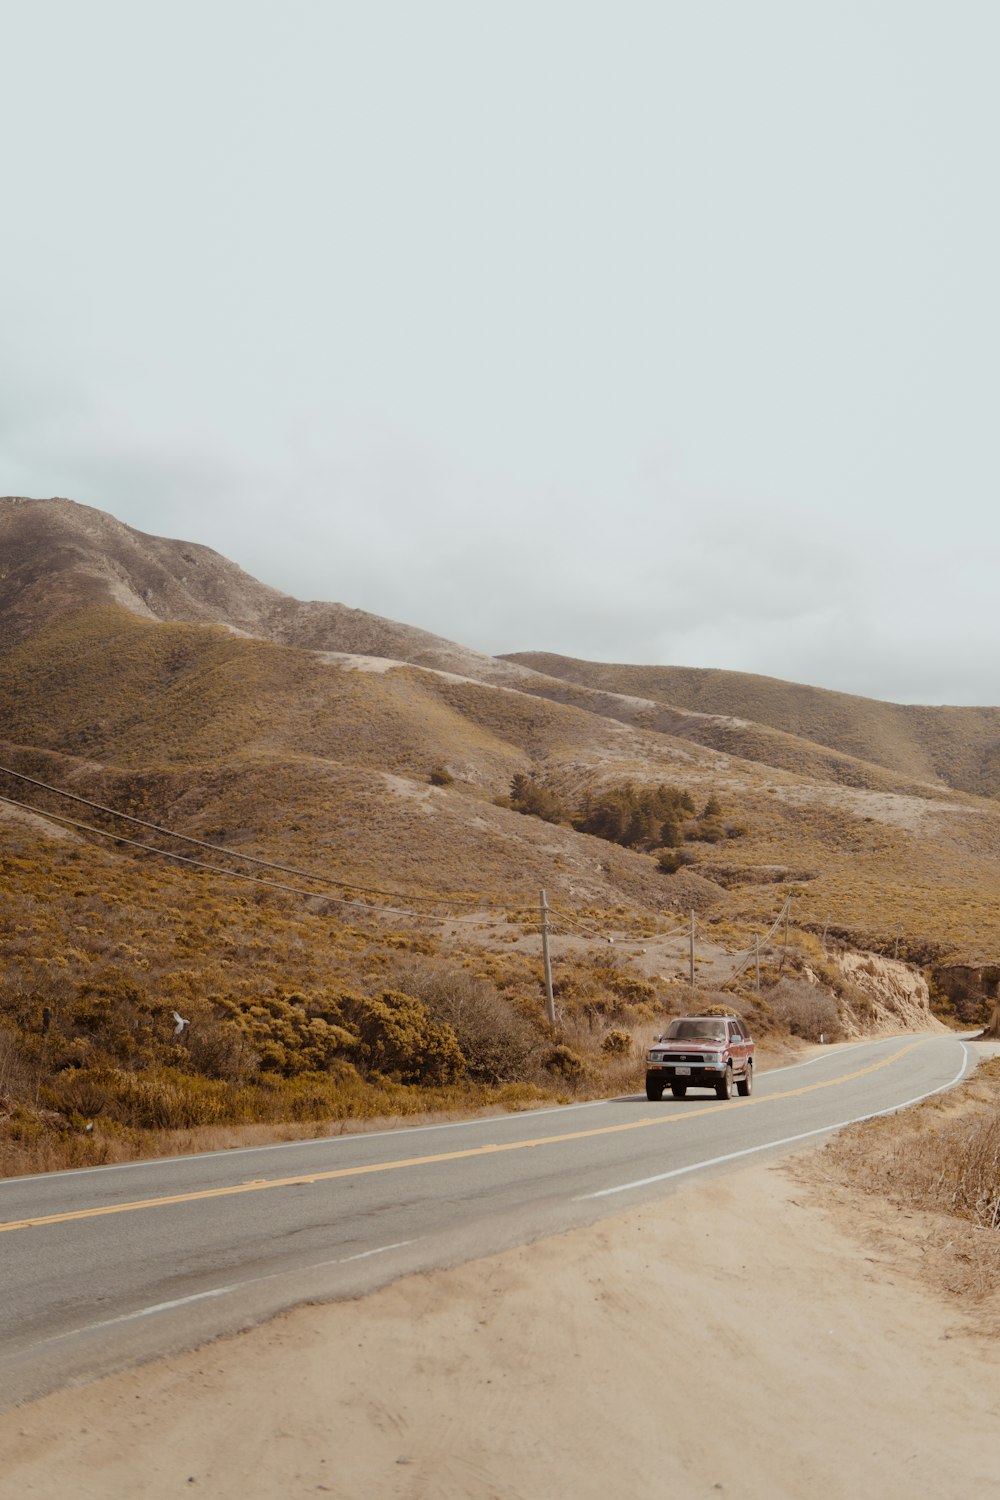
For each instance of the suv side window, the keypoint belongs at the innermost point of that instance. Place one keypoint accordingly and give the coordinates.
(736, 1031)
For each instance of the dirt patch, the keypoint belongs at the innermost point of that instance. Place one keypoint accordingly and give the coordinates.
(44, 826)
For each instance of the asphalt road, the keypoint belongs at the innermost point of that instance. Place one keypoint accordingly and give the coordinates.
(106, 1267)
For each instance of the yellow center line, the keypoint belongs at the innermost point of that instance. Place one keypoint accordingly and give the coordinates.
(267, 1185)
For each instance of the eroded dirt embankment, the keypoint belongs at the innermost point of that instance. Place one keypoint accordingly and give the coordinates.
(896, 995)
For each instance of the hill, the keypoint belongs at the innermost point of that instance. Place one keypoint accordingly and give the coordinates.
(952, 747)
(341, 865)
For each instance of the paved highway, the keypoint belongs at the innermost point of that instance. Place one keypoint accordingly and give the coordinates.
(109, 1266)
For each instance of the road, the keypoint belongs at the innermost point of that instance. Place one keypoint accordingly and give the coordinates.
(106, 1267)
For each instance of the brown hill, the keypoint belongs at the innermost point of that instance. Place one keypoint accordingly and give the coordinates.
(132, 655)
(59, 555)
(953, 747)
(364, 767)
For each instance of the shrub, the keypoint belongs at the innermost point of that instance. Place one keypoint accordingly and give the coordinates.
(538, 801)
(617, 1043)
(287, 1034)
(159, 1099)
(18, 1076)
(498, 1044)
(396, 1036)
(807, 1010)
(567, 1063)
(441, 776)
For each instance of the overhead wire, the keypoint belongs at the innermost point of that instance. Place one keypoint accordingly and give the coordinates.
(237, 854)
(274, 885)
(201, 864)
(517, 913)
(744, 964)
(621, 942)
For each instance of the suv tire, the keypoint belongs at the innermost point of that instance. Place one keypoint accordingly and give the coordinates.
(725, 1088)
(745, 1086)
(654, 1091)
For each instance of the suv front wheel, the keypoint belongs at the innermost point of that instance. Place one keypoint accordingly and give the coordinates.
(725, 1088)
(745, 1085)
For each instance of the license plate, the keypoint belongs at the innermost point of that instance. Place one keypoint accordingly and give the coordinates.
(683, 1072)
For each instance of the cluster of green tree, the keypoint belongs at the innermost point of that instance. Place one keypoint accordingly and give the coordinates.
(637, 817)
(537, 800)
(644, 817)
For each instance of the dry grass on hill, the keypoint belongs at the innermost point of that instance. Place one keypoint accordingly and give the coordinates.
(298, 1002)
(959, 747)
(238, 740)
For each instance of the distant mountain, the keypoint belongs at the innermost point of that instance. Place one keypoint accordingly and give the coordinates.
(154, 675)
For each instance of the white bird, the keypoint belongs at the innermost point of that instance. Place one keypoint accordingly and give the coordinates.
(181, 1023)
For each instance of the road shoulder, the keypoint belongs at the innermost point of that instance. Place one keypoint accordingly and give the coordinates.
(742, 1337)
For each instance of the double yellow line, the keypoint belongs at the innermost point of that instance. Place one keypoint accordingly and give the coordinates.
(306, 1180)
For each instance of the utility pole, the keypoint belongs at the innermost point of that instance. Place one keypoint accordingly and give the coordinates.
(756, 950)
(784, 951)
(691, 952)
(550, 1005)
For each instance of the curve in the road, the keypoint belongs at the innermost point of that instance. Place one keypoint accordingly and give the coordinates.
(269, 1184)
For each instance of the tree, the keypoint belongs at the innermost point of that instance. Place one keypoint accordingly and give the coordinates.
(534, 799)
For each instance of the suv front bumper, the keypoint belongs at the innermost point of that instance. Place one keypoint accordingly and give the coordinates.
(706, 1074)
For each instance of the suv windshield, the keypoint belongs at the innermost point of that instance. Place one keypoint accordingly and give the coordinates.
(686, 1030)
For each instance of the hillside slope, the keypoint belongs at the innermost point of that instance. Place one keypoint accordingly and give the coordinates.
(955, 747)
(163, 674)
(59, 555)
(356, 928)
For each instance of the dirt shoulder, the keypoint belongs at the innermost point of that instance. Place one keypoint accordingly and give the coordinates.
(748, 1336)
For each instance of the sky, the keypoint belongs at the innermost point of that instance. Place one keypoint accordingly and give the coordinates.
(659, 332)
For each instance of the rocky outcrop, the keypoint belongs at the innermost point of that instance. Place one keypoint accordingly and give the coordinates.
(894, 995)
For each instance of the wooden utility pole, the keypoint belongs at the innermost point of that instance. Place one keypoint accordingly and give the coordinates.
(756, 953)
(784, 951)
(550, 1005)
(691, 952)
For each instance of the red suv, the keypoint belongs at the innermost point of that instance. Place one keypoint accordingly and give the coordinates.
(710, 1052)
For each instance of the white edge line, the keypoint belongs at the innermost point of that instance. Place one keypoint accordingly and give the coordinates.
(216, 1291)
(788, 1140)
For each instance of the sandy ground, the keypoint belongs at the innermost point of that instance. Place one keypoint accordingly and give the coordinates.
(738, 1339)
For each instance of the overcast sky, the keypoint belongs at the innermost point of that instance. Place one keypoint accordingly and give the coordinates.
(650, 332)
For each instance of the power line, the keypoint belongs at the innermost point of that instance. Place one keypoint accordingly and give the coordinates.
(117, 838)
(745, 963)
(518, 912)
(201, 864)
(605, 937)
(235, 853)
